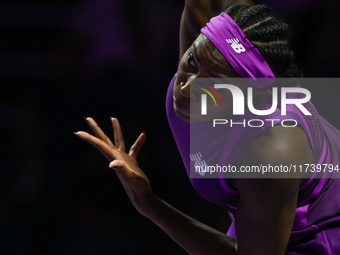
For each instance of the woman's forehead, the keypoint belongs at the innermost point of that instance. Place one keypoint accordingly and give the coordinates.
(205, 50)
(209, 55)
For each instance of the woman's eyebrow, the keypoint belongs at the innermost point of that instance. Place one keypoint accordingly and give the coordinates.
(195, 52)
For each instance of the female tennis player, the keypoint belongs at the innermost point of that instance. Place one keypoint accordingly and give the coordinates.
(269, 216)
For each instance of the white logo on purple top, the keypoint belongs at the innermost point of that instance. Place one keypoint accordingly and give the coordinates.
(198, 162)
(238, 47)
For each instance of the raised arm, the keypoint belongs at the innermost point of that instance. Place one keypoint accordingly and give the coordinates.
(196, 14)
(266, 210)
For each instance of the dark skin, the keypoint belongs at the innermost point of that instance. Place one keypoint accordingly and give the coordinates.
(203, 60)
(266, 209)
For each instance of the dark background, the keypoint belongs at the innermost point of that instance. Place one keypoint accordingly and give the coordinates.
(61, 61)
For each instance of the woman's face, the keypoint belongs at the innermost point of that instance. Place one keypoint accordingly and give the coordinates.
(202, 60)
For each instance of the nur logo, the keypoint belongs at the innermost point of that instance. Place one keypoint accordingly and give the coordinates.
(239, 99)
(204, 98)
(238, 47)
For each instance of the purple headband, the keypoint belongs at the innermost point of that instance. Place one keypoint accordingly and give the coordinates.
(234, 45)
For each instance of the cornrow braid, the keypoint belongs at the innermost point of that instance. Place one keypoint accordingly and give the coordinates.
(269, 35)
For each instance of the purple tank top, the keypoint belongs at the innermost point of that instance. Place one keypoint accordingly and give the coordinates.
(316, 228)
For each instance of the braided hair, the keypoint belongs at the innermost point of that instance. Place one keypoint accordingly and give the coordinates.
(269, 35)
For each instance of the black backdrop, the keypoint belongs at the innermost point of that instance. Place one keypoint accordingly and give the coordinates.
(61, 61)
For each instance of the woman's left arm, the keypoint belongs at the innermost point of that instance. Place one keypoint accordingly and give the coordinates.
(267, 207)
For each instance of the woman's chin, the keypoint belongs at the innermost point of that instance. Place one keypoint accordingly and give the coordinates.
(189, 118)
(182, 115)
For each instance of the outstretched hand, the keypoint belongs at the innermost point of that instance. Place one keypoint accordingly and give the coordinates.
(134, 180)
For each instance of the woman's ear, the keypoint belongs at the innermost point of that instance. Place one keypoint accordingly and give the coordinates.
(260, 95)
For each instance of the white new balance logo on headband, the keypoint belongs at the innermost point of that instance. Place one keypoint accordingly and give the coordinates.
(238, 47)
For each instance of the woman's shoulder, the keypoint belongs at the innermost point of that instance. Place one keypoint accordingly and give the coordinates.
(278, 145)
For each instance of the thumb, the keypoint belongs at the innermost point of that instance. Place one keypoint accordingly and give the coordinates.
(116, 164)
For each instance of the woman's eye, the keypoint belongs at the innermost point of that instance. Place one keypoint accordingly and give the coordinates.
(191, 60)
